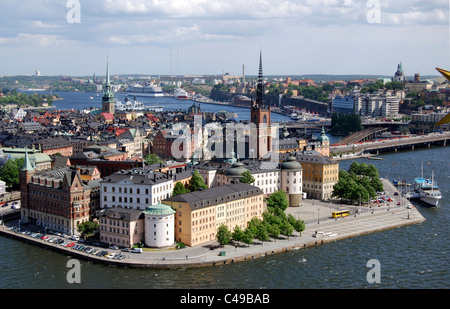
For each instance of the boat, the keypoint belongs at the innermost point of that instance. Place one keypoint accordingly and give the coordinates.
(180, 94)
(426, 190)
(129, 105)
(295, 116)
(148, 90)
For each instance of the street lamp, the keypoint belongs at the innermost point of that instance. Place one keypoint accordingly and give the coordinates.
(318, 215)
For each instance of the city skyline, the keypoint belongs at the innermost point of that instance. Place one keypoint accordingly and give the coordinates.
(210, 37)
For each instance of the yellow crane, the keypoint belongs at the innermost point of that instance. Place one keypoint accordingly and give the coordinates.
(446, 119)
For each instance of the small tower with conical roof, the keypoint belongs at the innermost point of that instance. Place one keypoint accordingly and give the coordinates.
(108, 95)
(25, 173)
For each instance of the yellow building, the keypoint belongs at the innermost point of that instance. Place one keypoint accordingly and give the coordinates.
(320, 174)
(199, 214)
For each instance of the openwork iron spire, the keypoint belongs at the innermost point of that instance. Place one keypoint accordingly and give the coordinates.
(260, 86)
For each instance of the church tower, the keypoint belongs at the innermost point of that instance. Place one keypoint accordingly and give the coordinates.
(26, 172)
(260, 117)
(108, 96)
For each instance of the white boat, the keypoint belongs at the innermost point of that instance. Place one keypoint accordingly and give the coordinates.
(427, 190)
(129, 105)
(295, 116)
(148, 90)
(180, 94)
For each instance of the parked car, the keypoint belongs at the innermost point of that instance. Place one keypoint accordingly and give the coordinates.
(137, 250)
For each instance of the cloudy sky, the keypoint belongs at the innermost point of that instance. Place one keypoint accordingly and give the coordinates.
(74, 37)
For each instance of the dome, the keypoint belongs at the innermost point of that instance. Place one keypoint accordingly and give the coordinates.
(236, 169)
(159, 210)
(291, 163)
(323, 137)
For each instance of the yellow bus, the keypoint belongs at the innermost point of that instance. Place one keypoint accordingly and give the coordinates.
(340, 213)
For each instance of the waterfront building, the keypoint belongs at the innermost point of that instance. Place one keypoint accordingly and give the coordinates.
(135, 189)
(159, 226)
(269, 177)
(58, 199)
(199, 214)
(121, 227)
(343, 104)
(320, 174)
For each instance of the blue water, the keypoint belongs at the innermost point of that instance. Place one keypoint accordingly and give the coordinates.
(411, 257)
(79, 101)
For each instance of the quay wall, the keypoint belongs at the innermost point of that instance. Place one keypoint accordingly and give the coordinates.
(200, 257)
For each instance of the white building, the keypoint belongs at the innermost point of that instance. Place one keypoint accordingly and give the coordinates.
(159, 226)
(135, 189)
(269, 178)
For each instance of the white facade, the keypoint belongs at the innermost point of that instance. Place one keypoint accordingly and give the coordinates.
(159, 227)
(291, 182)
(134, 191)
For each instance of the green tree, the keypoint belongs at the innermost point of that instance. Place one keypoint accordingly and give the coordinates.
(298, 225)
(179, 188)
(153, 158)
(223, 235)
(9, 172)
(247, 178)
(196, 182)
(238, 234)
(277, 202)
(248, 237)
(88, 228)
(261, 232)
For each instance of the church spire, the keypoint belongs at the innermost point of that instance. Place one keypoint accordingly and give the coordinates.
(260, 86)
(26, 163)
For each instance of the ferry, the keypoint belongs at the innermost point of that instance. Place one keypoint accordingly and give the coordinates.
(180, 94)
(148, 90)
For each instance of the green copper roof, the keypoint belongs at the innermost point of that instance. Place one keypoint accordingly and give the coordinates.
(159, 210)
(26, 163)
(291, 163)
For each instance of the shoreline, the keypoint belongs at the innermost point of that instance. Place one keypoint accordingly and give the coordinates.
(315, 214)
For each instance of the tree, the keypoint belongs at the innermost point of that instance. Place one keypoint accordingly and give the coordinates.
(298, 225)
(238, 234)
(87, 228)
(247, 178)
(153, 158)
(179, 188)
(248, 237)
(9, 172)
(196, 182)
(223, 235)
(277, 202)
(261, 232)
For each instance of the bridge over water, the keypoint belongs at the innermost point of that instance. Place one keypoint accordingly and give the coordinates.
(393, 144)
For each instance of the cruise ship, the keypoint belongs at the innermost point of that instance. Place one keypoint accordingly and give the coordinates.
(147, 90)
(180, 94)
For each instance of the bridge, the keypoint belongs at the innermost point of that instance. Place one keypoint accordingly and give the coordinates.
(362, 136)
(393, 144)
